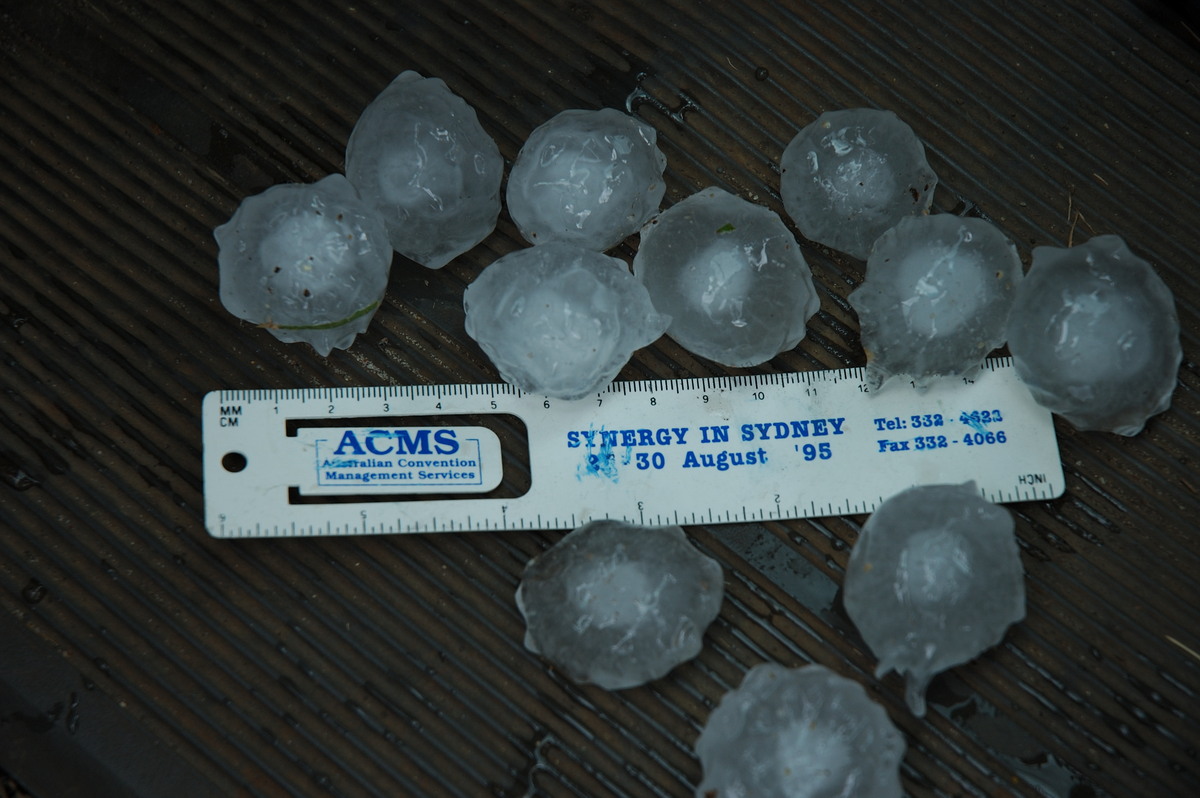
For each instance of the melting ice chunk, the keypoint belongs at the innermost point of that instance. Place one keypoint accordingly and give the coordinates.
(419, 156)
(619, 605)
(1095, 336)
(851, 175)
(934, 580)
(937, 297)
(558, 320)
(799, 733)
(307, 262)
(590, 178)
(730, 275)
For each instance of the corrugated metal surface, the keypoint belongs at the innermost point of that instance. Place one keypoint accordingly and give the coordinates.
(394, 666)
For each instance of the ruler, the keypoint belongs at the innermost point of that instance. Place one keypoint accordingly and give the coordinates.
(453, 458)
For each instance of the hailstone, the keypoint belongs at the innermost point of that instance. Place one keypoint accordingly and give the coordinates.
(730, 275)
(590, 178)
(851, 175)
(419, 156)
(1095, 336)
(619, 605)
(799, 733)
(934, 580)
(308, 262)
(936, 298)
(558, 320)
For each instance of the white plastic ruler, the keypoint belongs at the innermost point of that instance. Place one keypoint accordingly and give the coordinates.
(399, 459)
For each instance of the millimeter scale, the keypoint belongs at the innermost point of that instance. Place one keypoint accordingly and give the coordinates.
(453, 458)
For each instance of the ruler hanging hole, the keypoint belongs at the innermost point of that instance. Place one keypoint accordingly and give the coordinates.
(233, 462)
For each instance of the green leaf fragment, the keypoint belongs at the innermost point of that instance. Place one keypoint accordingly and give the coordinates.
(726, 228)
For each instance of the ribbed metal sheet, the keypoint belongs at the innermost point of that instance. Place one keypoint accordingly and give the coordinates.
(394, 666)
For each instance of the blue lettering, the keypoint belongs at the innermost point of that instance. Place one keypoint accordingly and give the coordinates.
(572, 440)
(446, 440)
(412, 444)
(351, 440)
(375, 435)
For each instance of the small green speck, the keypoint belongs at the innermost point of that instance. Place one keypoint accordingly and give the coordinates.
(726, 228)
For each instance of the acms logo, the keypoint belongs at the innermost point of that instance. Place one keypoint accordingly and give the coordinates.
(398, 441)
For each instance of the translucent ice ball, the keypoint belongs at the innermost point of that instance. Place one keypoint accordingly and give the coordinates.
(851, 175)
(419, 156)
(934, 580)
(730, 275)
(619, 605)
(590, 178)
(1095, 337)
(799, 733)
(937, 297)
(306, 262)
(558, 320)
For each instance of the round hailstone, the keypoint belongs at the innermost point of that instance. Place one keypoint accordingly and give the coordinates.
(933, 581)
(419, 157)
(1095, 337)
(307, 262)
(799, 733)
(731, 277)
(619, 605)
(851, 175)
(560, 321)
(590, 178)
(937, 297)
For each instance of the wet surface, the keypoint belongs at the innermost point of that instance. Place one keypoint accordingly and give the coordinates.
(395, 666)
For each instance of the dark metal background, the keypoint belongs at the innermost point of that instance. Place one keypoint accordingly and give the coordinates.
(138, 655)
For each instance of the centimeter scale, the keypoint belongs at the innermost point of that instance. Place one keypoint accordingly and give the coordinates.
(452, 458)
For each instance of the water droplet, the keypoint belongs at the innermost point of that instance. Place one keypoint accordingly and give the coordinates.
(761, 73)
(33, 592)
(14, 475)
(72, 722)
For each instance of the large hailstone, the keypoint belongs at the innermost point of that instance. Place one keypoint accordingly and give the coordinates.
(731, 277)
(619, 605)
(419, 156)
(560, 321)
(1095, 337)
(799, 733)
(934, 580)
(307, 262)
(590, 178)
(937, 297)
(851, 175)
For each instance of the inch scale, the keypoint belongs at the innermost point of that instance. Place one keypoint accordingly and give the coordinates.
(452, 458)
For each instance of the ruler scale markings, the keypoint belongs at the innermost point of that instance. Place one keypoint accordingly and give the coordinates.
(687, 450)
